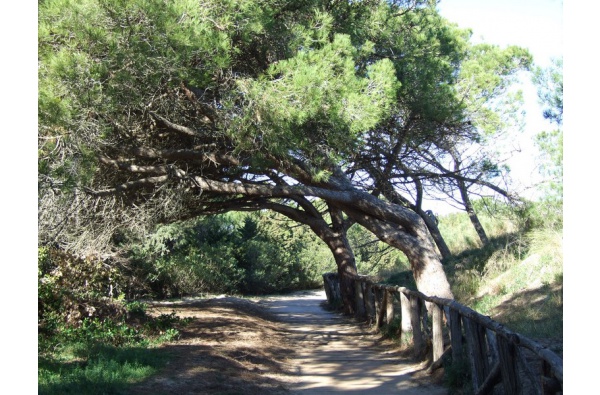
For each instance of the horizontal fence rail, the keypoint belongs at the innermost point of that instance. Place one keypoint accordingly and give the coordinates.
(447, 330)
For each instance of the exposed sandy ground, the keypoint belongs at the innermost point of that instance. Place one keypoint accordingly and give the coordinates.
(279, 345)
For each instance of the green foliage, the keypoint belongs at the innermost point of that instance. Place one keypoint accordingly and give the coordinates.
(404, 279)
(80, 327)
(136, 308)
(545, 214)
(485, 75)
(232, 253)
(459, 234)
(392, 329)
(72, 288)
(106, 370)
(98, 57)
(457, 377)
(317, 99)
(88, 343)
(549, 83)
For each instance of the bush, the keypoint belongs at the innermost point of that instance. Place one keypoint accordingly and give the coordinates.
(71, 289)
(73, 307)
(232, 254)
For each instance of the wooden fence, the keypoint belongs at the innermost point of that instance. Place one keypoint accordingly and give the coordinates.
(446, 330)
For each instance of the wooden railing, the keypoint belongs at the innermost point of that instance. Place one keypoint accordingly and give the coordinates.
(447, 330)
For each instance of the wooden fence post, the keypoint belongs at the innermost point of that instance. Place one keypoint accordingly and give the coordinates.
(389, 314)
(495, 354)
(378, 305)
(478, 355)
(508, 366)
(327, 286)
(415, 320)
(383, 295)
(405, 315)
(490, 335)
(437, 334)
(456, 336)
(369, 303)
(360, 299)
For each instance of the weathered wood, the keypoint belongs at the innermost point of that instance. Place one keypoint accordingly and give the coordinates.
(456, 338)
(550, 385)
(482, 335)
(490, 335)
(331, 290)
(437, 331)
(415, 312)
(389, 313)
(367, 286)
(438, 364)
(483, 349)
(378, 294)
(508, 365)
(424, 318)
(530, 375)
(359, 299)
(477, 353)
(542, 352)
(490, 382)
(370, 301)
(382, 293)
(405, 314)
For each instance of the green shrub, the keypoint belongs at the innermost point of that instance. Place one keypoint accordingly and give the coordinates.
(234, 254)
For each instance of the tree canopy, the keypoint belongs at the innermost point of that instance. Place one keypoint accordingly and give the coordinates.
(153, 111)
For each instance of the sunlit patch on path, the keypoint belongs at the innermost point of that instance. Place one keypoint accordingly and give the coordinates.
(337, 355)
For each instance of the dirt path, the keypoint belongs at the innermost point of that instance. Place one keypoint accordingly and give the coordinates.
(278, 346)
(336, 355)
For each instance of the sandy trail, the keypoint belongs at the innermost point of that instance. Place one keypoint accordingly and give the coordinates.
(337, 355)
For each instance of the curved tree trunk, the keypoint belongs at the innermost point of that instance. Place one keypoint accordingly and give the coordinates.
(436, 235)
(464, 194)
(404, 229)
(386, 188)
(395, 225)
(339, 245)
(346, 264)
(472, 215)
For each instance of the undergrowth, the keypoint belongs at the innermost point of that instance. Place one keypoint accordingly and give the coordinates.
(89, 343)
(517, 278)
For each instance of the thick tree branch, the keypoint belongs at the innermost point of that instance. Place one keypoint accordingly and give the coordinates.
(130, 186)
(184, 130)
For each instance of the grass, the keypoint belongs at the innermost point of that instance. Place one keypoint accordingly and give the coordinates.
(516, 279)
(103, 370)
(103, 355)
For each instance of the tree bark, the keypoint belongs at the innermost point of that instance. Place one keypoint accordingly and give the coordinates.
(386, 188)
(415, 242)
(335, 238)
(472, 215)
(395, 225)
(344, 258)
(464, 194)
(436, 235)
